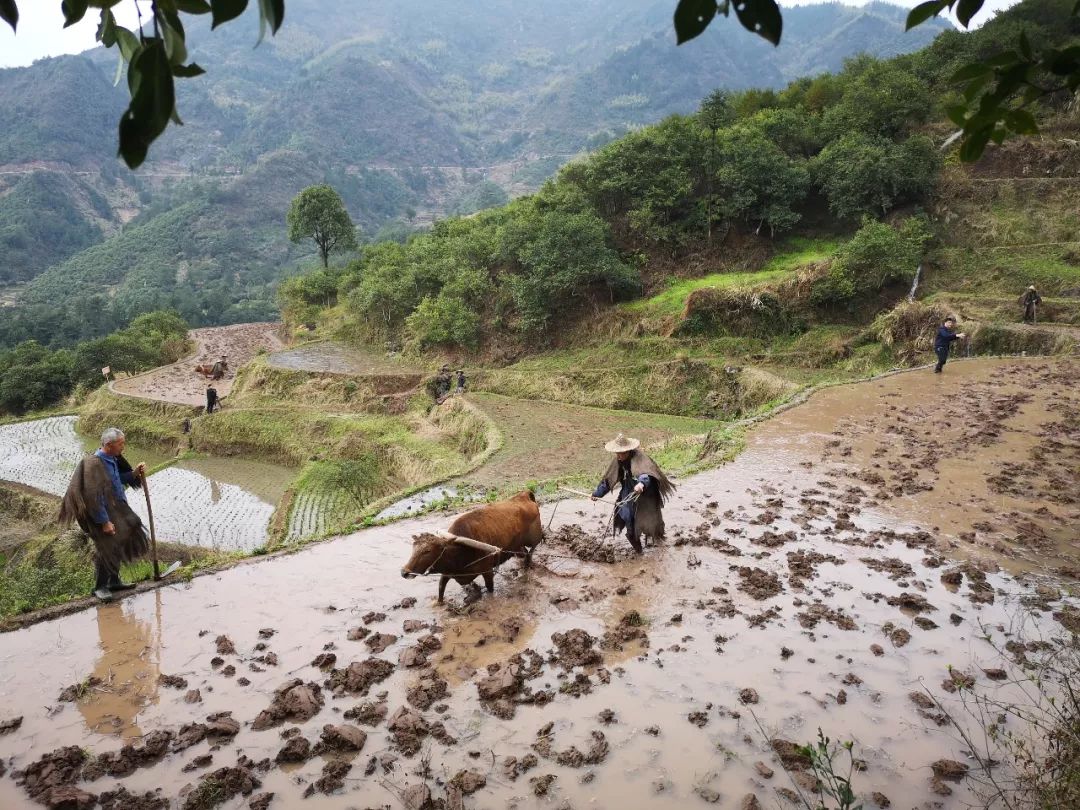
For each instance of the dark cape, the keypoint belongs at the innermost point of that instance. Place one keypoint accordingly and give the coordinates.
(90, 485)
(648, 517)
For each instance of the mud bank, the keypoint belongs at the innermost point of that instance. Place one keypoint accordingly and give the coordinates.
(788, 596)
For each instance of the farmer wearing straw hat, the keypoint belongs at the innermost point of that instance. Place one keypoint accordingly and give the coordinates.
(642, 489)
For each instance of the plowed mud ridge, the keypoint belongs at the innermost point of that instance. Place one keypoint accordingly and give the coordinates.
(180, 384)
(870, 550)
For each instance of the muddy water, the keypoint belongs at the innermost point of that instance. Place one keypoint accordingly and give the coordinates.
(708, 636)
(220, 503)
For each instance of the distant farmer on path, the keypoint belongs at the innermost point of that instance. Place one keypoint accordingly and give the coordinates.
(946, 334)
(642, 489)
(1029, 301)
(96, 500)
(219, 369)
(211, 398)
(460, 381)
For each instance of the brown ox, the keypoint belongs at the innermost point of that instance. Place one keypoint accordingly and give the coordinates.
(206, 369)
(478, 542)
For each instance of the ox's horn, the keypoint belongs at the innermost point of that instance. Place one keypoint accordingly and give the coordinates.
(468, 541)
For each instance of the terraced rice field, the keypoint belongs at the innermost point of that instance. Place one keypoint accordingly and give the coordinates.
(40, 454)
(195, 510)
(315, 513)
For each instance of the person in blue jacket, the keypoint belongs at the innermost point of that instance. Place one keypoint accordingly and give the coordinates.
(946, 334)
(97, 501)
(642, 486)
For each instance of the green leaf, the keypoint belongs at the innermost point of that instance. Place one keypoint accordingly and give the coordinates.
(187, 71)
(975, 86)
(974, 144)
(957, 114)
(172, 29)
(193, 6)
(129, 43)
(153, 101)
(923, 12)
(106, 33)
(966, 9)
(692, 17)
(1021, 122)
(1025, 46)
(762, 17)
(971, 71)
(9, 13)
(272, 13)
(74, 10)
(225, 10)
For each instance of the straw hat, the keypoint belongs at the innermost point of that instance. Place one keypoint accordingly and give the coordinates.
(621, 444)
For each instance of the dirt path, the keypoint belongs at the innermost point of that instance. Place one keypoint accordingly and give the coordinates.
(793, 592)
(180, 384)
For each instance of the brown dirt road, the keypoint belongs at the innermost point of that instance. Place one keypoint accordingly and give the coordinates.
(180, 384)
(804, 585)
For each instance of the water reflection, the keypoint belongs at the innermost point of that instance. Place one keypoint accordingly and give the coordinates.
(127, 667)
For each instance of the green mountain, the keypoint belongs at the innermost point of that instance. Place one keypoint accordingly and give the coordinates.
(411, 110)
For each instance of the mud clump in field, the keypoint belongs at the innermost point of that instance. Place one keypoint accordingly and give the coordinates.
(427, 689)
(818, 612)
(58, 769)
(572, 757)
(803, 566)
(295, 700)
(340, 738)
(407, 729)
(218, 787)
(757, 583)
(129, 758)
(587, 547)
(631, 627)
(360, 676)
(121, 799)
(368, 713)
(574, 648)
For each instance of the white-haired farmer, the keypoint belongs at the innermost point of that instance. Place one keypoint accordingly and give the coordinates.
(97, 501)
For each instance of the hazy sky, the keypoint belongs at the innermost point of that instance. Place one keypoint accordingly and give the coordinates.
(41, 31)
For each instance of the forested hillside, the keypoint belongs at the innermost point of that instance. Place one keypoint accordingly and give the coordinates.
(839, 178)
(412, 112)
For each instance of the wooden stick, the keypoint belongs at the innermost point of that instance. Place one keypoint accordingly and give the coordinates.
(150, 515)
(576, 492)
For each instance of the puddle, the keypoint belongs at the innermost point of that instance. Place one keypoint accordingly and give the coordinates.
(221, 503)
(801, 633)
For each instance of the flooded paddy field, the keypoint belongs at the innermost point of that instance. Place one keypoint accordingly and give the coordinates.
(789, 595)
(220, 503)
(43, 453)
(337, 358)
